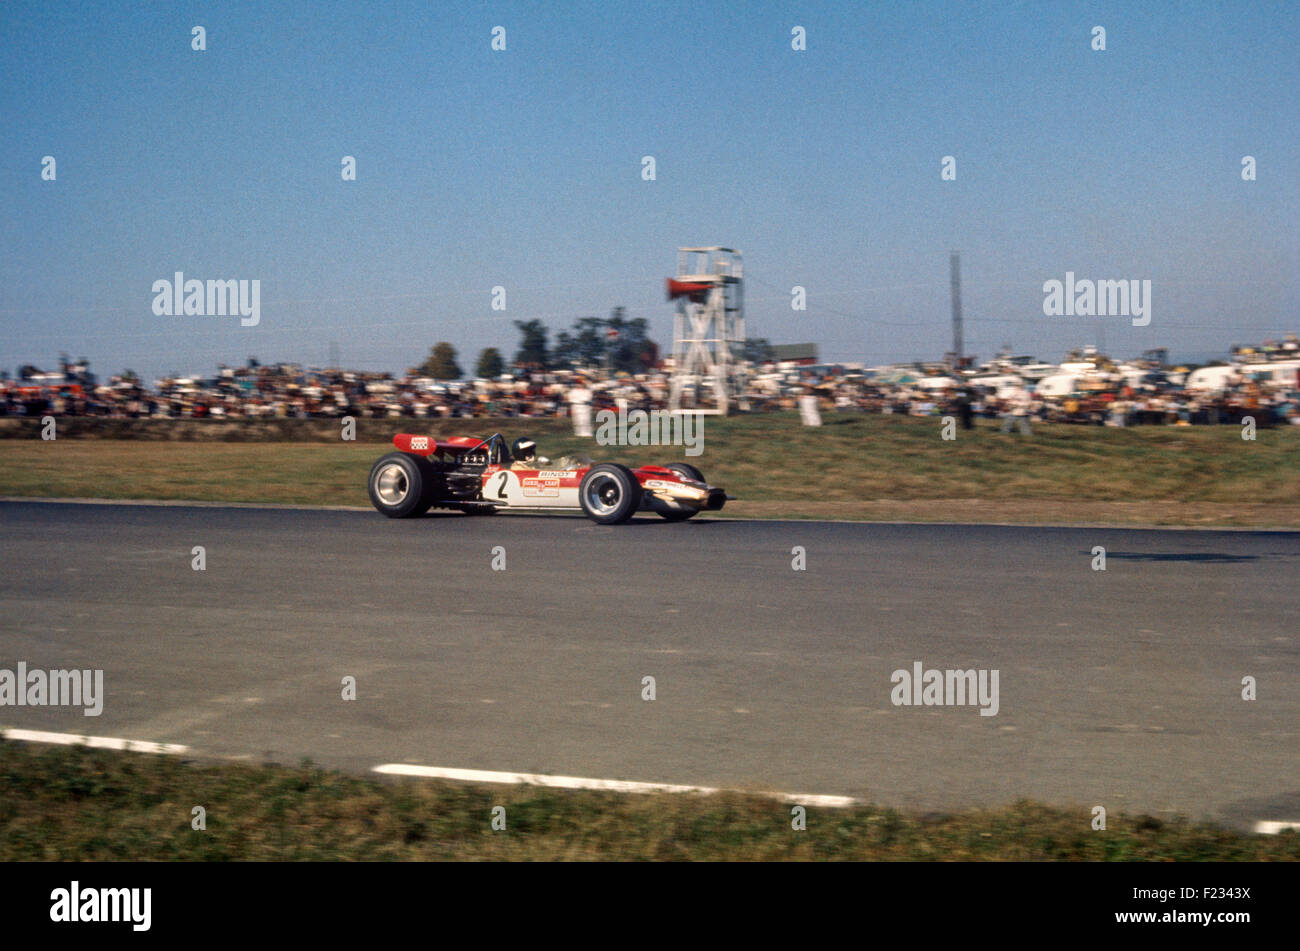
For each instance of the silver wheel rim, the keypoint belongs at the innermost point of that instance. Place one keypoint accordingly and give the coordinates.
(391, 484)
(603, 494)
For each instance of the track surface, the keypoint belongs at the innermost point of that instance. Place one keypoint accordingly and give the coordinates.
(1119, 688)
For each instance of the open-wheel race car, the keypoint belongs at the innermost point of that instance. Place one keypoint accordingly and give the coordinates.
(481, 476)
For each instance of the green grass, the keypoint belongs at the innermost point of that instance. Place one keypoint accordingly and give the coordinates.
(73, 803)
(855, 466)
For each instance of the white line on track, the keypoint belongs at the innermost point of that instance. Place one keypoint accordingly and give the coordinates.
(97, 742)
(580, 782)
(1273, 827)
(1263, 827)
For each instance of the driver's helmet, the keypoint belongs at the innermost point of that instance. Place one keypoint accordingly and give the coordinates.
(523, 449)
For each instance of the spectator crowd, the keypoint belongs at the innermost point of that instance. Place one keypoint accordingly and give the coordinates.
(290, 391)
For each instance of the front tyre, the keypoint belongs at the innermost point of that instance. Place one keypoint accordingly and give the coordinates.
(677, 514)
(686, 471)
(681, 513)
(609, 494)
(400, 486)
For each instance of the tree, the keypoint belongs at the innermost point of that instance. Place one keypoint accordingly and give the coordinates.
(649, 355)
(565, 352)
(490, 365)
(441, 363)
(630, 349)
(533, 345)
(588, 347)
(615, 341)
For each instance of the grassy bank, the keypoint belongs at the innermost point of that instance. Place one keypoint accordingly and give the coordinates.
(72, 803)
(870, 467)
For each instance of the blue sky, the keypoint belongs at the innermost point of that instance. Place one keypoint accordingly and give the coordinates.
(522, 168)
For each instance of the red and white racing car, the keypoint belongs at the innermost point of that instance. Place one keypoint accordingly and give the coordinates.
(484, 475)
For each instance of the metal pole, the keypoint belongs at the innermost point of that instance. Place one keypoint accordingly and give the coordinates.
(957, 347)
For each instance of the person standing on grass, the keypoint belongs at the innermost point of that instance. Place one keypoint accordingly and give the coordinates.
(965, 407)
(1016, 410)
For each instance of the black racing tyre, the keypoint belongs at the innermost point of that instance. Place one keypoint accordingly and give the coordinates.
(401, 485)
(609, 494)
(686, 471)
(677, 515)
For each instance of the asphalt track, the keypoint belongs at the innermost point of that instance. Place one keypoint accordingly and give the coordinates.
(1119, 688)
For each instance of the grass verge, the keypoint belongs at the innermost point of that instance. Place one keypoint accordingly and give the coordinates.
(74, 803)
(854, 467)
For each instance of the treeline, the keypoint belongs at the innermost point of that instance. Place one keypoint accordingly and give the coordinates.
(609, 343)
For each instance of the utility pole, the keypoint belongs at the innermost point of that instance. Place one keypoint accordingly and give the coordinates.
(954, 261)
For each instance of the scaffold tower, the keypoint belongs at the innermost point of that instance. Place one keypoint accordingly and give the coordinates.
(708, 331)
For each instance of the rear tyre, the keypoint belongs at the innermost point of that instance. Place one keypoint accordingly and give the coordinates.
(401, 485)
(609, 494)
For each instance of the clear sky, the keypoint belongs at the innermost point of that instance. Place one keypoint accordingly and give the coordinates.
(522, 168)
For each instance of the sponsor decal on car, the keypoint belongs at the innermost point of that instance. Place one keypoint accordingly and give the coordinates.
(544, 488)
(419, 442)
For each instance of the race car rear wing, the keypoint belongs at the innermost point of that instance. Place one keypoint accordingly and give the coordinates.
(428, 446)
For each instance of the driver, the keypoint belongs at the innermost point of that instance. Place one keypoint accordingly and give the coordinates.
(524, 453)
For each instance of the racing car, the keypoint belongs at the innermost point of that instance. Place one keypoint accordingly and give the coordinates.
(482, 476)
